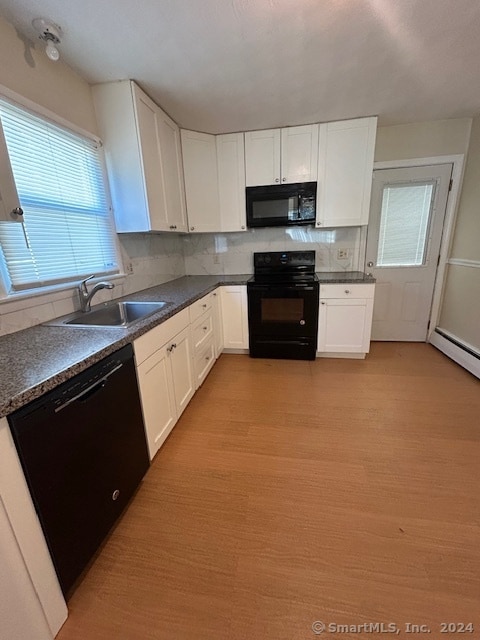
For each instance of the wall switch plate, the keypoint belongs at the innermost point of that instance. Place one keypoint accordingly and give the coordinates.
(129, 268)
(342, 254)
(216, 259)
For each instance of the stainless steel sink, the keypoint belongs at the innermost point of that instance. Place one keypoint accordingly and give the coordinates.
(113, 314)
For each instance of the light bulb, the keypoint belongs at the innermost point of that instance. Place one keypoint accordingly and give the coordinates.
(52, 52)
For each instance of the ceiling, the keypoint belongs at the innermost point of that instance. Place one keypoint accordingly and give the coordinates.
(233, 65)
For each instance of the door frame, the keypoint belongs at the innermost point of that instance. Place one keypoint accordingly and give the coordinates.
(457, 161)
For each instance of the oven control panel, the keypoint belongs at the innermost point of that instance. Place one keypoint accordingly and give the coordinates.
(281, 259)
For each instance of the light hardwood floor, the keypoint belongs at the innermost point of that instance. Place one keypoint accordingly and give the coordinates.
(290, 492)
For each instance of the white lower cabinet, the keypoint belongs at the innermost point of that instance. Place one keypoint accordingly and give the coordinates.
(234, 316)
(165, 376)
(217, 322)
(345, 318)
(31, 603)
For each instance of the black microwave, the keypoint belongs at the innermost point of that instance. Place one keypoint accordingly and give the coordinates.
(281, 205)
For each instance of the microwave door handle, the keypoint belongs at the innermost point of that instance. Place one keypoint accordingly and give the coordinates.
(300, 202)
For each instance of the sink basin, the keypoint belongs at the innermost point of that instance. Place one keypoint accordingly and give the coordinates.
(114, 314)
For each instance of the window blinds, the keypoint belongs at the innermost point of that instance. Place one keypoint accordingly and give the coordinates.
(404, 224)
(67, 231)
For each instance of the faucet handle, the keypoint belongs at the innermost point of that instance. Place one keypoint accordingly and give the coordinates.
(83, 283)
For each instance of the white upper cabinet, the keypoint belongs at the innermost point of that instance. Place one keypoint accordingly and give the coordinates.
(170, 148)
(214, 168)
(142, 148)
(276, 156)
(262, 157)
(299, 153)
(231, 181)
(345, 166)
(201, 180)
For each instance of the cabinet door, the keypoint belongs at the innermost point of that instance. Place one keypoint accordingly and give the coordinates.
(158, 399)
(262, 157)
(146, 112)
(231, 181)
(181, 362)
(169, 138)
(345, 166)
(235, 317)
(217, 323)
(299, 153)
(344, 325)
(201, 181)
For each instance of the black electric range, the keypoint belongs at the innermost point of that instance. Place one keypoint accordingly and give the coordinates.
(283, 297)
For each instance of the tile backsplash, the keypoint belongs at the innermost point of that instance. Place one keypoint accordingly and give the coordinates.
(229, 253)
(152, 259)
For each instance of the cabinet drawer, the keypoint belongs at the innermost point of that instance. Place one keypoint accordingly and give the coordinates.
(204, 361)
(202, 330)
(347, 290)
(160, 335)
(199, 307)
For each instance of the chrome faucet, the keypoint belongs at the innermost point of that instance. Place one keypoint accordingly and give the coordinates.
(86, 296)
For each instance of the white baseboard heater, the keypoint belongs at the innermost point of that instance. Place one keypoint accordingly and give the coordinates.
(460, 352)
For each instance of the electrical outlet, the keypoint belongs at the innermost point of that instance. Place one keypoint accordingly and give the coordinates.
(216, 259)
(129, 268)
(342, 254)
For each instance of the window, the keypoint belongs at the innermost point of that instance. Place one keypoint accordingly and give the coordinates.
(404, 224)
(67, 232)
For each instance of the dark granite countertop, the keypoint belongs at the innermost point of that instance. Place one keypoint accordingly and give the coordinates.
(342, 277)
(36, 360)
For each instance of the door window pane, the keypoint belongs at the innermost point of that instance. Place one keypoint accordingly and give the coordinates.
(404, 224)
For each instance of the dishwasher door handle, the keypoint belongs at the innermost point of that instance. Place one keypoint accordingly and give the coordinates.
(99, 383)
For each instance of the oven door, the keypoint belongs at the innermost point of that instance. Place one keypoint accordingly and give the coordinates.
(283, 320)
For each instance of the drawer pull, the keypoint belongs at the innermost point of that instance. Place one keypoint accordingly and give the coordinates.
(207, 358)
(205, 328)
(347, 290)
(204, 305)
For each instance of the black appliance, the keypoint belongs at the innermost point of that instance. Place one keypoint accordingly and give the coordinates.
(83, 451)
(281, 204)
(283, 298)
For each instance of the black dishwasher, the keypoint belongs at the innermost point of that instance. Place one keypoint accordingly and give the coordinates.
(83, 451)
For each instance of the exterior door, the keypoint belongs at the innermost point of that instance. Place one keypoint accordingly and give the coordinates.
(403, 245)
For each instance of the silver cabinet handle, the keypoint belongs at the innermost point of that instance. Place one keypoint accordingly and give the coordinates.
(322, 303)
(347, 290)
(277, 179)
(192, 228)
(204, 306)
(116, 494)
(284, 179)
(205, 328)
(18, 211)
(302, 322)
(243, 227)
(369, 263)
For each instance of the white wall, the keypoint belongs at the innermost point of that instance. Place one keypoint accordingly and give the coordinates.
(26, 70)
(423, 139)
(460, 311)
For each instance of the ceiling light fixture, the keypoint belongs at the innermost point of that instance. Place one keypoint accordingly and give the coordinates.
(49, 34)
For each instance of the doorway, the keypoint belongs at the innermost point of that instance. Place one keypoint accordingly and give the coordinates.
(403, 246)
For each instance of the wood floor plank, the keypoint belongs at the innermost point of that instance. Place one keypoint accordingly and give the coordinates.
(290, 492)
